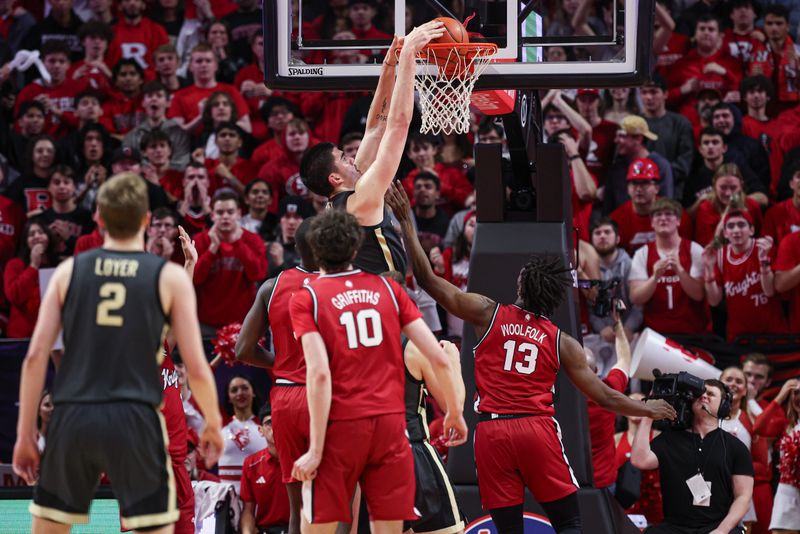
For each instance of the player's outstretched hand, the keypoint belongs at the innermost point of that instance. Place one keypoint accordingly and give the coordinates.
(305, 467)
(26, 459)
(397, 199)
(421, 36)
(455, 429)
(660, 409)
(211, 444)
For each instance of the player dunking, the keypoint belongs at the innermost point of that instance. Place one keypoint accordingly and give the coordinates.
(358, 185)
(349, 323)
(115, 304)
(518, 441)
(288, 396)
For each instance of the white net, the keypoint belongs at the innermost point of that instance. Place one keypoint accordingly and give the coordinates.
(445, 85)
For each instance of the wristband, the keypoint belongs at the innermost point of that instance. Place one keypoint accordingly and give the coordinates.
(572, 158)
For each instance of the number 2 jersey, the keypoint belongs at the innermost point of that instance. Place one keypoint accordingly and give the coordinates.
(113, 330)
(516, 362)
(360, 317)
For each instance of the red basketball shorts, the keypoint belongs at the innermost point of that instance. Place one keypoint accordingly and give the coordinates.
(511, 454)
(290, 424)
(375, 453)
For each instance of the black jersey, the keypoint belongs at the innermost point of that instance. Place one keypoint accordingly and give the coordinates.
(382, 249)
(113, 329)
(416, 417)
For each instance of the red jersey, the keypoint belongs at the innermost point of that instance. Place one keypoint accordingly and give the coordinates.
(261, 485)
(637, 230)
(601, 432)
(781, 220)
(750, 311)
(707, 217)
(136, 41)
(360, 317)
(289, 361)
(788, 259)
(670, 310)
(172, 409)
(516, 362)
(185, 102)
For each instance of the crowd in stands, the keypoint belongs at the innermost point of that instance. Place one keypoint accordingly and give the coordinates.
(687, 189)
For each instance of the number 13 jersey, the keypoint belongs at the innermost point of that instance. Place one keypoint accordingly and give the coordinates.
(516, 362)
(360, 317)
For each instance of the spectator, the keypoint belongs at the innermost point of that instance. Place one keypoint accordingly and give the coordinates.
(250, 81)
(362, 14)
(218, 108)
(282, 253)
(88, 109)
(219, 40)
(666, 276)
(166, 63)
(195, 204)
(61, 25)
(18, 22)
(283, 173)
(43, 420)
(95, 38)
(744, 41)
(601, 150)
(242, 435)
(277, 112)
(726, 119)
(757, 92)
(630, 143)
(620, 102)
(21, 277)
(243, 24)
(258, 219)
(633, 217)
(783, 218)
(155, 100)
(123, 110)
(782, 56)
(689, 16)
(231, 262)
(13, 219)
(266, 503)
(30, 123)
(187, 103)
(136, 37)
(787, 276)
(431, 221)
(66, 220)
(100, 10)
(727, 192)
(350, 142)
(230, 169)
(453, 266)
(157, 148)
(30, 189)
(674, 131)
(92, 159)
(741, 271)
(170, 15)
(558, 115)
(614, 263)
(162, 236)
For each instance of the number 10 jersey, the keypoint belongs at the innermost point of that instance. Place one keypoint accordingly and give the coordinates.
(516, 362)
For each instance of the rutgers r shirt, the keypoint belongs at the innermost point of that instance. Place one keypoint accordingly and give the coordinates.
(516, 362)
(360, 317)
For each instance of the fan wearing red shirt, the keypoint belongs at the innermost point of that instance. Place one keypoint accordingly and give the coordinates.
(250, 82)
(186, 106)
(517, 441)
(361, 14)
(666, 276)
(454, 190)
(787, 276)
(633, 217)
(745, 42)
(278, 111)
(266, 504)
(782, 56)
(741, 271)
(283, 174)
(230, 170)
(601, 149)
(349, 323)
(136, 36)
(288, 395)
(783, 218)
(231, 262)
(95, 37)
(12, 219)
(194, 192)
(123, 110)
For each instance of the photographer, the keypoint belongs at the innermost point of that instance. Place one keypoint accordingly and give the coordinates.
(706, 473)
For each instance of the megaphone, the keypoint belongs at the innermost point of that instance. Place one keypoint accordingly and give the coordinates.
(654, 351)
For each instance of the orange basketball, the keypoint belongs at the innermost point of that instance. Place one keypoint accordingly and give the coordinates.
(454, 31)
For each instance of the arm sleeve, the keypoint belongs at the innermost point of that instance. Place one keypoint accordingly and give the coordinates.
(639, 265)
(772, 421)
(617, 380)
(301, 309)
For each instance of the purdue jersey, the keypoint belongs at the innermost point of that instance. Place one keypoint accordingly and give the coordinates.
(416, 416)
(382, 249)
(113, 329)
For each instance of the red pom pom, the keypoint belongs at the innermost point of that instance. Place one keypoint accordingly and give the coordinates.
(225, 342)
(790, 459)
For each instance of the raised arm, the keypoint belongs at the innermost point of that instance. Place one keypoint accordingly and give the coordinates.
(254, 327)
(473, 308)
(367, 201)
(642, 456)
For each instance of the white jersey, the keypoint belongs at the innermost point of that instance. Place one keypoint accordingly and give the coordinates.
(241, 439)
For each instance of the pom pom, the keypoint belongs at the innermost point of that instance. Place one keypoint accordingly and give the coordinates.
(225, 343)
(790, 459)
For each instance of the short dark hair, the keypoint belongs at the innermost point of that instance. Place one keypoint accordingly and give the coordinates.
(656, 80)
(721, 106)
(349, 137)
(708, 17)
(224, 194)
(723, 389)
(164, 212)
(264, 411)
(123, 62)
(250, 185)
(316, 166)
(27, 105)
(777, 10)
(604, 221)
(335, 238)
(757, 358)
(754, 83)
(96, 28)
(710, 131)
(56, 46)
(64, 170)
(154, 86)
(543, 284)
(419, 138)
(303, 246)
(228, 125)
(428, 175)
(156, 135)
(488, 125)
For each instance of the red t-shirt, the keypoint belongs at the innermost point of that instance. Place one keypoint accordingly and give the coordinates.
(637, 230)
(12, 219)
(172, 409)
(289, 361)
(516, 363)
(136, 42)
(750, 311)
(185, 102)
(61, 97)
(454, 187)
(601, 149)
(253, 73)
(676, 47)
(748, 51)
(691, 65)
(788, 258)
(226, 281)
(270, 150)
(706, 219)
(122, 114)
(88, 242)
(581, 210)
(243, 170)
(601, 431)
(261, 484)
(283, 177)
(360, 317)
(22, 290)
(670, 310)
(326, 111)
(781, 220)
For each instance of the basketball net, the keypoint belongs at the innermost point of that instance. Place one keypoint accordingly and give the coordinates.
(445, 84)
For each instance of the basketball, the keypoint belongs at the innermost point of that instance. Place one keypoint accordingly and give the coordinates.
(454, 31)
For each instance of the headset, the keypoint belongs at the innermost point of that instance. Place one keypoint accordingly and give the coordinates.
(725, 403)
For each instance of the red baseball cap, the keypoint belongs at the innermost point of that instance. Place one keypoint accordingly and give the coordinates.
(642, 169)
(593, 92)
(744, 214)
